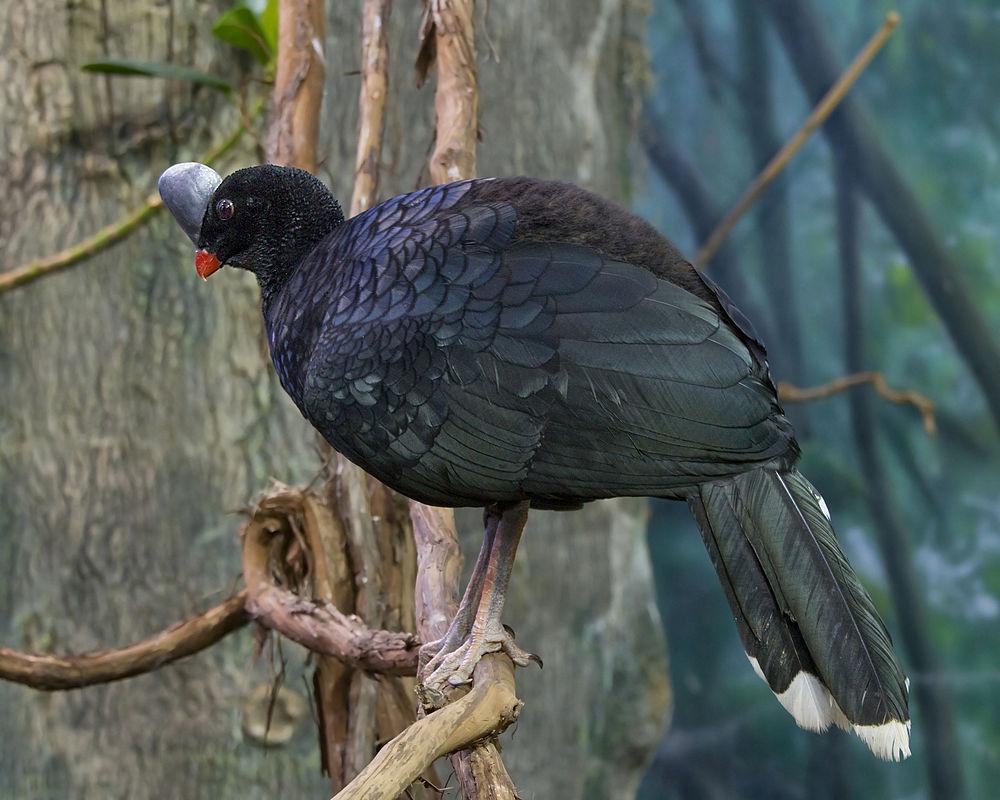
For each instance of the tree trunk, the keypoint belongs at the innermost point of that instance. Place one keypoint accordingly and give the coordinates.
(935, 719)
(850, 133)
(140, 407)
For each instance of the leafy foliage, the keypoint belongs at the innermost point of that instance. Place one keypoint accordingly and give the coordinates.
(245, 29)
(250, 26)
(157, 69)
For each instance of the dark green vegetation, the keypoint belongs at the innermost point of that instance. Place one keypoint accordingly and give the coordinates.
(877, 250)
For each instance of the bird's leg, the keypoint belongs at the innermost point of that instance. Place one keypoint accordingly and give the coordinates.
(487, 634)
(461, 625)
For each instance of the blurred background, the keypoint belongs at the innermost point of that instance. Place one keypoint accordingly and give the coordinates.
(139, 409)
(832, 275)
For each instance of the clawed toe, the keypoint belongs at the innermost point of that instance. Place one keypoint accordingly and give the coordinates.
(455, 668)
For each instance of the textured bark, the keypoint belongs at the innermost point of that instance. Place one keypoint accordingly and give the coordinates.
(479, 769)
(140, 406)
(936, 717)
(374, 89)
(456, 99)
(298, 84)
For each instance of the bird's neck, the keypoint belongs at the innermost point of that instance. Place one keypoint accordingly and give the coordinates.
(273, 279)
(293, 248)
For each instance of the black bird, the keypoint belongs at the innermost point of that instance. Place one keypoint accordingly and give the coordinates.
(513, 343)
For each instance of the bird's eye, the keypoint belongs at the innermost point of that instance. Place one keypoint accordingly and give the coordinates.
(225, 209)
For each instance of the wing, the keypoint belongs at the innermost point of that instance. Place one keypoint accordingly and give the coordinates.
(506, 370)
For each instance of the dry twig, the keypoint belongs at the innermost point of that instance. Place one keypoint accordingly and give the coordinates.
(52, 673)
(479, 768)
(923, 404)
(819, 114)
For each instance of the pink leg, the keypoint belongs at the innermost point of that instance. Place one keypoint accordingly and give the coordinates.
(486, 634)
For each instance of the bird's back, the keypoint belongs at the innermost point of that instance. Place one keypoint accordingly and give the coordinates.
(509, 339)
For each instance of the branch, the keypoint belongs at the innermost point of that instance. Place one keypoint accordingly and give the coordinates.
(315, 624)
(298, 84)
(439, 562)
(695, 198)
(52, 673)
(819, 114)
(447, 37)
(371, 103)
(109, 234)
(852, 135)
(354, 504)
(923, 404)
(488, 709)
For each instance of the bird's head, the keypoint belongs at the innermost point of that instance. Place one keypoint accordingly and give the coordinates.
(264, 219)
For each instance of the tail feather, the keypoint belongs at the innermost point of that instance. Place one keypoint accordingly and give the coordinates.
(808, 626)
(772, 642)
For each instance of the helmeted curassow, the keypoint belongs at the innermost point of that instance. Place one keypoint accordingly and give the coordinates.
(513, 343)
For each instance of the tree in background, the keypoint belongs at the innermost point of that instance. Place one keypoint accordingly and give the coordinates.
(918, 510)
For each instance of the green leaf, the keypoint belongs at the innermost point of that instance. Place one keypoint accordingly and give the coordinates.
(268, 19)
(157, 69)
(239, 27)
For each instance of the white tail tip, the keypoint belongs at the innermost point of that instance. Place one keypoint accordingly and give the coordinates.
(806, 699)
(809, 702)
(889, 741)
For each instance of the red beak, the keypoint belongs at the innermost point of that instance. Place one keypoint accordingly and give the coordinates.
(205, 263)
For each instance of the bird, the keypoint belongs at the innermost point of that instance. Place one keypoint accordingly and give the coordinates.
(514, 343)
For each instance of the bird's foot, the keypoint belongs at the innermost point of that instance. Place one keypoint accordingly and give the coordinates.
(455, 666)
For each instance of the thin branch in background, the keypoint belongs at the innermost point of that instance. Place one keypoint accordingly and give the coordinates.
(793, 394)
(56, 673)
(819, 114)
(448, 41)
(354, 504)
(773, 212)
(717, 75)
(110, 234)
(852, 135)
(702, 213)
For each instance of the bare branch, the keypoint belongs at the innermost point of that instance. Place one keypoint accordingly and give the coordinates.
(439, 564)
(54, 673)
(371, 103)
(298, 84)
(456, 101)
(355, 505)
(817, 117)
(109, 234)
(923, 404)
(316, 624)
(483, 713)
